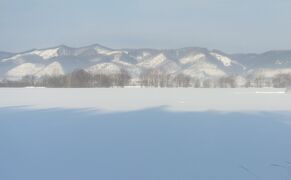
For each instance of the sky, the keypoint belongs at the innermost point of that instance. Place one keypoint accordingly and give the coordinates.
(232, 26)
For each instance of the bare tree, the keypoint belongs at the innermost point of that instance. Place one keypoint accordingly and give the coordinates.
(29, 80)
(154, 78)
(227, 82)
(207, 83)
(196, 82)
(80, 78)
(259, 81)
(282, 80)
(181, 80)
(121, 79)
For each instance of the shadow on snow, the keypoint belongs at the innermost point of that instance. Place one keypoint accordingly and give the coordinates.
(146, 144)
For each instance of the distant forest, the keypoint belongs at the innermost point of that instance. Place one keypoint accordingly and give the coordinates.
(151, 78)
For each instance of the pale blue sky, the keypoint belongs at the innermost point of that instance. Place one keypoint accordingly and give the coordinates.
(228, 25)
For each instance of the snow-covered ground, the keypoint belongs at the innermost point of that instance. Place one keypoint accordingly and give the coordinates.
(118, 99)
(165, 134)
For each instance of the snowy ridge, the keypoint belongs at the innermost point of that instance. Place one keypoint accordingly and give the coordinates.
(104, 68)
(203, 70)
(38, 70)
(225, 60)
(108, 52)
(192, 58)
(46, 54)
(53, 69)
(153, 62)
(25, 69)
(15, 57)
(195, 62)
(117, 61)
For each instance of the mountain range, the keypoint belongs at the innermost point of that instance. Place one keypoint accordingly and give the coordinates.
(192, 61)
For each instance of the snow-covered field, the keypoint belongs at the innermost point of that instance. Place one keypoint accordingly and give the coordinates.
(127, 99)
(145, 134)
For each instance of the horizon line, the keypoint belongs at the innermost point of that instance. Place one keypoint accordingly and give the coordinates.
(142, 48)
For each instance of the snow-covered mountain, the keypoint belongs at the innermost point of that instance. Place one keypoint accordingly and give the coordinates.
(195, 62)
(267, 64)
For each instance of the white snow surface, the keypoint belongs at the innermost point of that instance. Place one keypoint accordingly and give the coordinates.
(225, 60)
(24, 70)
(27, 69)
(192, 58)
(53, 69)
(108, 52)
(153, 62)
(127, 99)
(46, 54)
(16, 57)
(104, 68)
(223, 134)
(203, 69)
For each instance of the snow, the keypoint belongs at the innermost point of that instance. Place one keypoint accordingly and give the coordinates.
(269, 73)
(225, 60)
(24, 70)
(116, 99)
(270, 92)
(38, 70)
(53, 69)
(241, 65)
(145, 54)
(142, 57)
(104, 68)
(170, 67)
(46, 54)
(192, 58)
(16, 57)
(240, 81)
(144, 134)
(153, 62)
(117, 61)
(108, 52)
(33, 87)
(200, 68)
(203, 69)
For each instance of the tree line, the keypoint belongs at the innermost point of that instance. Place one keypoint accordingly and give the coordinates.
(151, 78)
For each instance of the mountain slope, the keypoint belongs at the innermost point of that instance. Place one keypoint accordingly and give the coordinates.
(195, 62)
